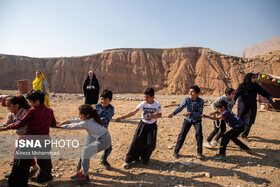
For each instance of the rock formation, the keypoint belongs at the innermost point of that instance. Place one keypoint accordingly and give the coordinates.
(169, 71)
(268, 46)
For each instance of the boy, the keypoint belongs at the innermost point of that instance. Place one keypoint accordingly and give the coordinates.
(237, 128)
(144, 140)
(194, 106)
(220, 125)
(106, 112)
(39, 119)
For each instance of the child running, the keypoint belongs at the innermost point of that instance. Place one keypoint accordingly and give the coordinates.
(144, 140)
(220, 125)
(237, 128)
(194, 106)
(97, 133)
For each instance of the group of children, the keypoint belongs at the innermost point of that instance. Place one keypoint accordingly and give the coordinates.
(95, 120)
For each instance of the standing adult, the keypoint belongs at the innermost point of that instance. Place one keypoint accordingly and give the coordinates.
(40, 83)
(247, 103)
(91, 89)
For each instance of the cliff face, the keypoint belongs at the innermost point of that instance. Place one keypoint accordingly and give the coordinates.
(132, 70)
(272, 44)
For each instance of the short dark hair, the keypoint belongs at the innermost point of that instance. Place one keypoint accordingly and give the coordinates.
(87, 109)
(221, 104)
(229, 91)
(150, 92)
(196, 88)
(35, 95)
(107, 94)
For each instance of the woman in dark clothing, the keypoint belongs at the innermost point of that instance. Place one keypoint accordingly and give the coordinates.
(91, 89)
(247, 103)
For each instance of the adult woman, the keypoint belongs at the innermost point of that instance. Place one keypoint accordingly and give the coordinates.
(40, 83)
(247, 103)
(91, 89)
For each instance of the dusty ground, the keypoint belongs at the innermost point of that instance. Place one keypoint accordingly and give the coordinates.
(241, 169)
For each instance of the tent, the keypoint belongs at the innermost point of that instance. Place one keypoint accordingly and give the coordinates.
(271, 84)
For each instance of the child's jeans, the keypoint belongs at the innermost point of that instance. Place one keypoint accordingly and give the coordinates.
(106, 153)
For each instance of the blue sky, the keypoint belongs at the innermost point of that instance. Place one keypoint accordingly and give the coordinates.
(55, 28)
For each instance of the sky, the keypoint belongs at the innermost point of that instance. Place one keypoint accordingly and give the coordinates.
(65, 28)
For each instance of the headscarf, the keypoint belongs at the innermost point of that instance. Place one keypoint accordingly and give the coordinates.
(247, 85)
(38, 82)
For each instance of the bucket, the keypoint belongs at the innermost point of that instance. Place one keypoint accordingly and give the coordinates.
(22, 86)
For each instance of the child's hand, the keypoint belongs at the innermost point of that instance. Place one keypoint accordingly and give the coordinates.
(118, 120)
(63, 123)
(170, 115)
(149, 118)
(204, 116)
(187, 114)
(4, 128)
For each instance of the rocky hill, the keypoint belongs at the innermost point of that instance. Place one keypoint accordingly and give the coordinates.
(169, 71)
(270, 45)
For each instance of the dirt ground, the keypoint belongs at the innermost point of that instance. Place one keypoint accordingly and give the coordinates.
(240, 169)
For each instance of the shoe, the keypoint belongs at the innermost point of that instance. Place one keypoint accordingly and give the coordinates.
(199, 156)
(126, 165)
(76, 175)
(175, 155)
(81, 178)
(215, 143)
(245, 138)
(33, 172)
(249, 151)
(44, 180)
(78, 167)
(207, 144)
(106, 164)
(220, 157)
(8, 174)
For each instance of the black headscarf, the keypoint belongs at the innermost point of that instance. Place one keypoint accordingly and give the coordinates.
(247, 85)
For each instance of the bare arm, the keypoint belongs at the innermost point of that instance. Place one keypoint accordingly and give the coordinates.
(213, 118)
(127, 115)
(154, 116)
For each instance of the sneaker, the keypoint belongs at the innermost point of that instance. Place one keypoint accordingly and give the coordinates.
(76, 175)
(199, 156)
(126, 165)
(8, 174)
(106, 164)
(207, 144)
(220, 157)
(245, 138)
(215, 143)
(175, 155)
(43, 181)
(81, 178)
(33, 172)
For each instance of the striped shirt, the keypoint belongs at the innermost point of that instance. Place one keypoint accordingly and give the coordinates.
(91, 126)
(194, 107)
(106, 114)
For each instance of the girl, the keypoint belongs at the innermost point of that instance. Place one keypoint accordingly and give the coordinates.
(91, 122)
(18, 106)
(40, 83)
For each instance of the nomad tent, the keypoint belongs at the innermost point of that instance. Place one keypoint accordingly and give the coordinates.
(271, 84)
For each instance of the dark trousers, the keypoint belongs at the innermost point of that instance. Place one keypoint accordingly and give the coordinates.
(184, 131)
(143, 143)
(246, 131)
(232, 135)
(219, 129)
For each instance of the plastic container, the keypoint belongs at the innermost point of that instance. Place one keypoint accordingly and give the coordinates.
(22, 86)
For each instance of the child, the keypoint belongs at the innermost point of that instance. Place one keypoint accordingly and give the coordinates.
(237, 128)
(220, 125)
(39, 119)
(90, 121)
(18, 107)
(144, 140)
(106, 112)
(194, 106)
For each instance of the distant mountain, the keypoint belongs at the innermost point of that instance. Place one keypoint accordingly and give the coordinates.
(270, 45)
(170, 71)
